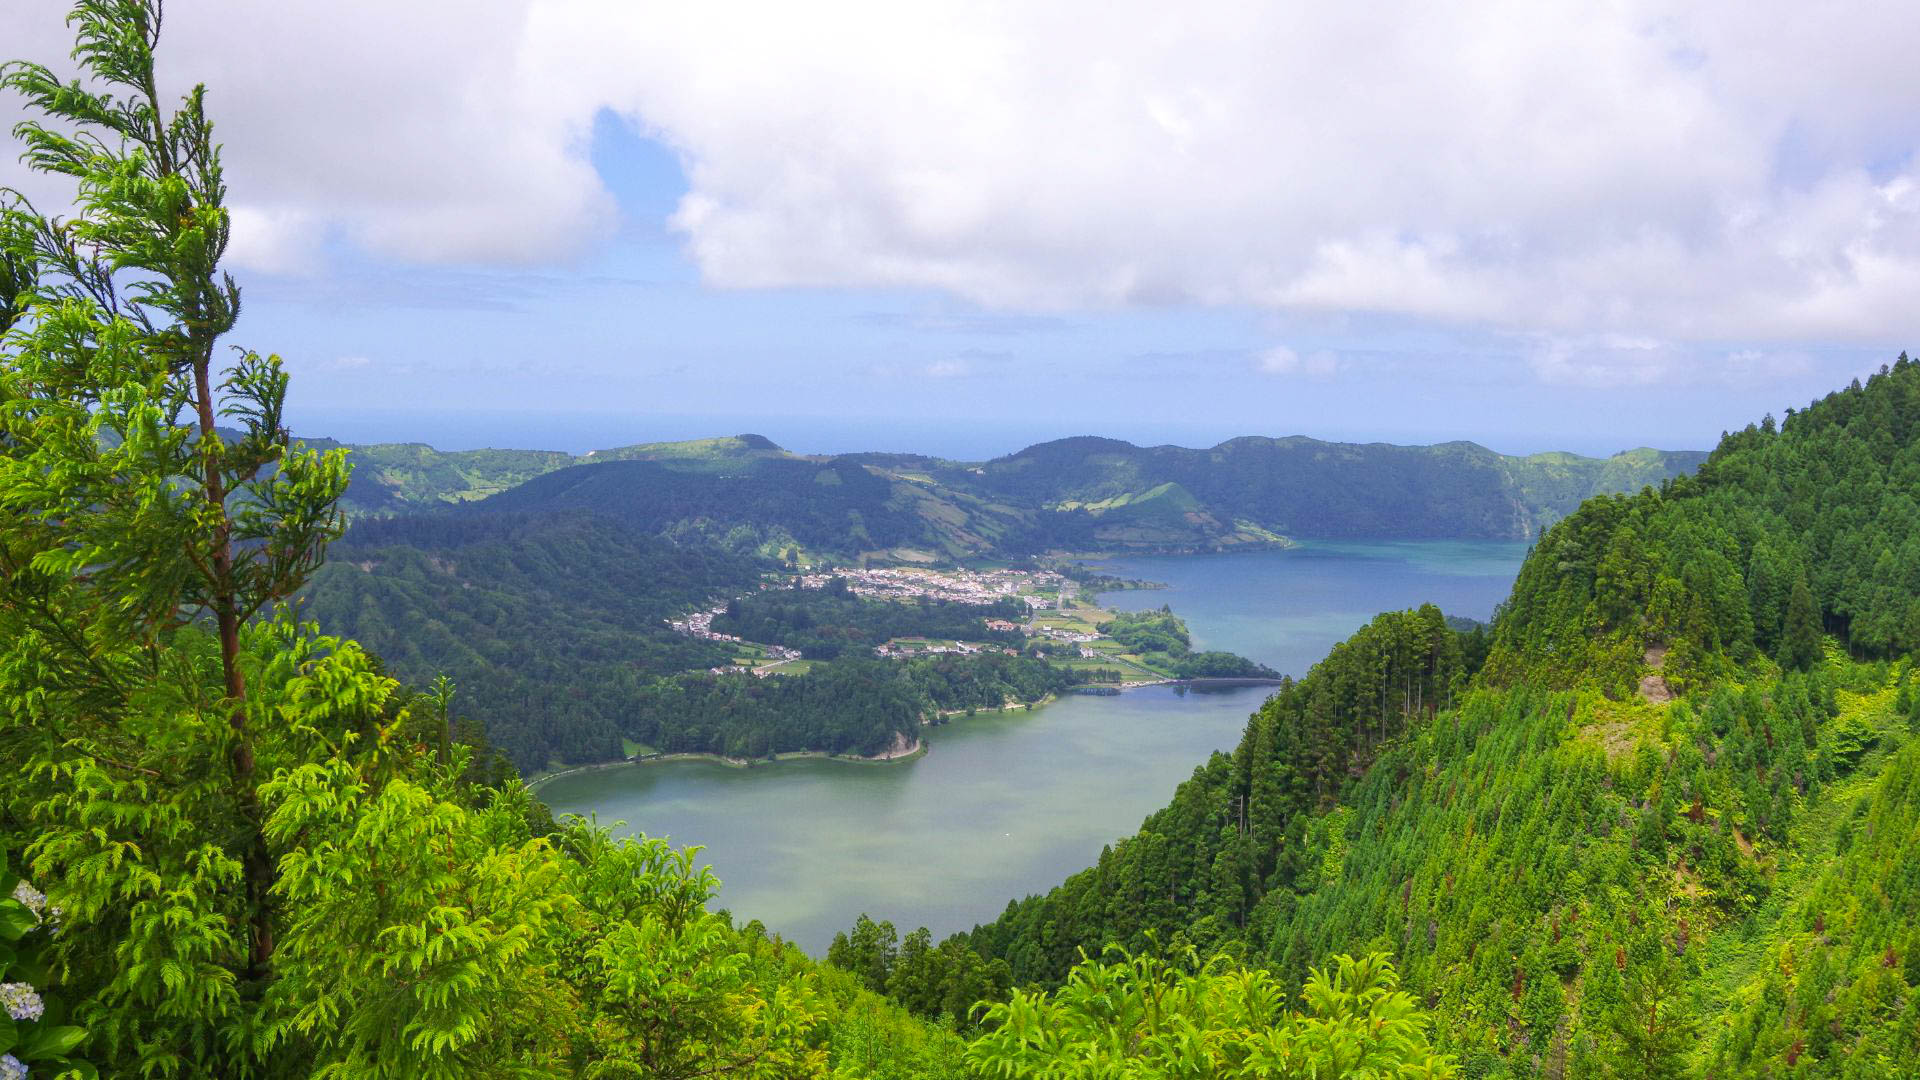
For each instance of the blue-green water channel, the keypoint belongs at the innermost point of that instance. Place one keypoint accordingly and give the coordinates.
(1006, 805)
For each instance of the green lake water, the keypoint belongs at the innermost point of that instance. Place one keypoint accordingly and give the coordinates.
(1009, 804)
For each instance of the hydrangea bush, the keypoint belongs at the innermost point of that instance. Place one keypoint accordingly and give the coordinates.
(35, 1040)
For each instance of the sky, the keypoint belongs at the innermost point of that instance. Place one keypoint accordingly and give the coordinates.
(962, 227)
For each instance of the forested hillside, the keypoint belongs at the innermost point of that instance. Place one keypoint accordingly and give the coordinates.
(1786, 533)
(232, 845)
(1667, 828)
(554, 627)
(851, 706)
(549, 625)
(391, 478)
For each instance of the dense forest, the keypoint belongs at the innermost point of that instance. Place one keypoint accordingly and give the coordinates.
(1162, 641)
(852, 706)
(767, 504)
(231, 845)
(1661, 822)
(550, 625)
(1311, 489)
(1789, 531)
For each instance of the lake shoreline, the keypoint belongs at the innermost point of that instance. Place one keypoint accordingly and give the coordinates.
(918, 749)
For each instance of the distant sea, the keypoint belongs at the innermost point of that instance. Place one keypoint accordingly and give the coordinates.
(960, 440)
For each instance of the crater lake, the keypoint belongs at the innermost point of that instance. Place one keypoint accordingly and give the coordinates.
(1006, 804)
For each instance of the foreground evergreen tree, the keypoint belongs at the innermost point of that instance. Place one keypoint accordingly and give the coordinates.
(129, 514)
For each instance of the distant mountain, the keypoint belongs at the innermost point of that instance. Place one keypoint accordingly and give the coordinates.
(1306, 488)
(1076, 494)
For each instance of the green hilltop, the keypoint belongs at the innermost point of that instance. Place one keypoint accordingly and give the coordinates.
(400, 477)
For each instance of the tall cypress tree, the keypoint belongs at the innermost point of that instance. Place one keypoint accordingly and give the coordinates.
(1800, 636)
(144, 486)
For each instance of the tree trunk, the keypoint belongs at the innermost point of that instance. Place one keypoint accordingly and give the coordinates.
(255, 858)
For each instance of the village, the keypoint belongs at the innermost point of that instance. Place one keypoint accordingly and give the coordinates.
(1056, 615)
(1040, 589)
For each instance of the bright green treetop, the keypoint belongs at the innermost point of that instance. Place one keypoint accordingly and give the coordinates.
(1142, 1018)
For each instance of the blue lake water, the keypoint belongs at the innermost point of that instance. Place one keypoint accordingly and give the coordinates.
(1287, 607)
(1006, 805)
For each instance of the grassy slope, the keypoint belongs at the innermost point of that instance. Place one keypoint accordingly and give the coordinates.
(1526, 857)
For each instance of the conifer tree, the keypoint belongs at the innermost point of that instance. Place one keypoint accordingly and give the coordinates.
(1800, 635)
(129, 511)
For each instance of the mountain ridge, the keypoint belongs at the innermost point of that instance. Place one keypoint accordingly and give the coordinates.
(1081, 493)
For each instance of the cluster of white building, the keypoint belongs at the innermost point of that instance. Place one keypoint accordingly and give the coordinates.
(700, 625)
(911, 583)
(964, 586)
(963, 648)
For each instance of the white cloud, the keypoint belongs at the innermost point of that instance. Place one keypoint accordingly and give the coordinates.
(422, 131)
(274, 241)
(1618, 360)
(1689, 172)
(949, 369)
(1280, 360)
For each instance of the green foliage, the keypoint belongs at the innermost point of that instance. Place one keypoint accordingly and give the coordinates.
(1800, 634)
(396, 478)
(1839, 991)
(1142, 1017)
(750, 496)
(1213, 664)
(767, 503)
(946, 983)
(1149, 633)
(122, 528)
(555, 628)
(1100, 490)
(1593, 883)
(857, 706)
